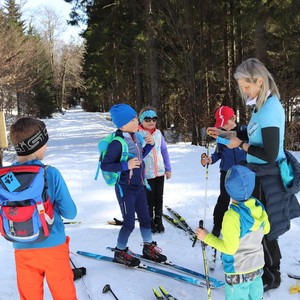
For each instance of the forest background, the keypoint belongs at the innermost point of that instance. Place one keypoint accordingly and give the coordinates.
(177, 55)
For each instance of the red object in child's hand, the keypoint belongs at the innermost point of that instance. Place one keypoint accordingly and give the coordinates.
(203, 159)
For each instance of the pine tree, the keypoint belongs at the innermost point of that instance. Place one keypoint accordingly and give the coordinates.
(12, 13)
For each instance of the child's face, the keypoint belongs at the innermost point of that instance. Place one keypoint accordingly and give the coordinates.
(149, 123)
(230, 124)
(131, 126)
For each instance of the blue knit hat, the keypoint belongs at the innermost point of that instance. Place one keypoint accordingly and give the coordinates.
(121, 114)
(240, 183)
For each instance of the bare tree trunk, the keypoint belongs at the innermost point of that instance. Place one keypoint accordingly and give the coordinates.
(191, 71)
(226, 57)
(152, 59)
(138, 75)
(138, 82)
(260, 39)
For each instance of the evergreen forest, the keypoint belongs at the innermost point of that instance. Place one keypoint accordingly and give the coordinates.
(176, 55)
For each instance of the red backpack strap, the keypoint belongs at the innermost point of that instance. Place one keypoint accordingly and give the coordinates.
(41, 210)
(40, 206)
(1, 227)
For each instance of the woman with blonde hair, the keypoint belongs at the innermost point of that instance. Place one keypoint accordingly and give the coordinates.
(264, 143)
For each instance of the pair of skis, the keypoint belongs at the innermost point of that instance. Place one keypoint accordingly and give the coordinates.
(166, 295)
(168, 264)
(144, 267)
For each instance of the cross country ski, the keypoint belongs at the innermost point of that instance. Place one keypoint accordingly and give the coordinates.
(168, 264)
(182, 222)
(173, 222)
(180, 277)
(166, 295)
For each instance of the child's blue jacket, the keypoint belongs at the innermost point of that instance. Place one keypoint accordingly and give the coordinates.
(64, 206)
(229, 157)
(137, 148)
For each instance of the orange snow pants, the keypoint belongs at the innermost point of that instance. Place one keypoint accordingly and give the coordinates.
(32, 265)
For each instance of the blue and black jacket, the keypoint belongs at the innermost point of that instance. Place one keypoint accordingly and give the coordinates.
(229, 157)
(137, 148)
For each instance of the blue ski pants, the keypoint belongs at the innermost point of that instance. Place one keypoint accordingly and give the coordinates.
(133, 202)
(251, 290)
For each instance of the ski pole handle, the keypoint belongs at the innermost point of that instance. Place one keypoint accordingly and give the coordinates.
(201, 224)
(195, 239)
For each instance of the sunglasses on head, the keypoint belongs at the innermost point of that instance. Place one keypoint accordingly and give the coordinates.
(148, 119)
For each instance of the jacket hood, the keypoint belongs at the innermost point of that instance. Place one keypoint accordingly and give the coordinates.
(253, 215)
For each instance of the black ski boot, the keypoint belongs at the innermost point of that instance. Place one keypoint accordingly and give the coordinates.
(159, 224)
(152, 252)
(122, 257)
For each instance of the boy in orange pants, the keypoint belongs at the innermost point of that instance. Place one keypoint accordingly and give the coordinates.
(48, 258)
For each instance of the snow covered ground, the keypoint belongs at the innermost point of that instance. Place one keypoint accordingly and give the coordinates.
(72, 148)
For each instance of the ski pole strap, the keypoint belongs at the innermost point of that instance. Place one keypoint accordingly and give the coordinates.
(97, 172)
(232, 279)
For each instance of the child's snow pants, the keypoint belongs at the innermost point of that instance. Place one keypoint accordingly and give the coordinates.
(32, 265)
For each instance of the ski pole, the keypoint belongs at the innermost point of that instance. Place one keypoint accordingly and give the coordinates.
(206, 182)
(87, 291)
(107, 288)
(205, 264)
(203, 156)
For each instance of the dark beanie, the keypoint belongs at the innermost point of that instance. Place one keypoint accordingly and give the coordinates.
(33, 143)
(121, 114)
(240, 182)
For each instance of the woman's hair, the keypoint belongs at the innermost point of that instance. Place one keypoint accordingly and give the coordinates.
(24, 128)
(147, 108)
(252, 69)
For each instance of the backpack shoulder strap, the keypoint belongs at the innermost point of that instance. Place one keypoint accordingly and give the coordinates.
(125, 154)
(140, 138)
(45, 193)
(118, 136)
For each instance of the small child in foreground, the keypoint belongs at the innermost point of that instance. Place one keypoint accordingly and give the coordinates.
(243, 228)
(49, 258)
